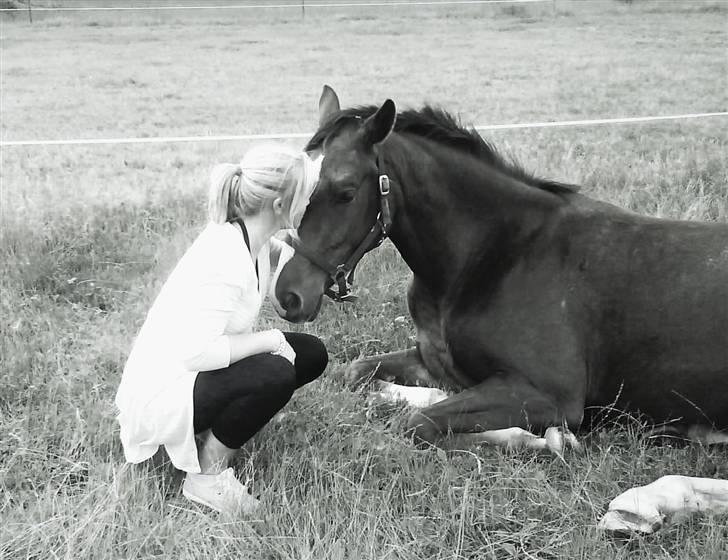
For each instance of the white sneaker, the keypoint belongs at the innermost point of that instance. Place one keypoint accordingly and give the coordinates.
(221, 492)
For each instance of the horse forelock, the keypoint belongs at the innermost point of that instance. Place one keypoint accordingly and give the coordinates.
(437, 125)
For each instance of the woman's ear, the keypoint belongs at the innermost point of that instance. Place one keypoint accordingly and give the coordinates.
(278, 206)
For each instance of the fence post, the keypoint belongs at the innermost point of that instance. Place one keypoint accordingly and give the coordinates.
(30, 13)
(303, 9)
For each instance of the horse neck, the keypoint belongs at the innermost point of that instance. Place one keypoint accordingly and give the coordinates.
(450, 208)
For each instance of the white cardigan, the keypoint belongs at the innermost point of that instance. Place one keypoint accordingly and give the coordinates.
(212, 293)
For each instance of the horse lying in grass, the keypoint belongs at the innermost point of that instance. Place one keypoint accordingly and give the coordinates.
(531, 301)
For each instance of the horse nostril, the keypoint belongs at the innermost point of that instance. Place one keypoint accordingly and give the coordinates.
(291, 302)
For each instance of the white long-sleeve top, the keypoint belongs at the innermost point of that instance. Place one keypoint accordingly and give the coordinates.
(212, 293)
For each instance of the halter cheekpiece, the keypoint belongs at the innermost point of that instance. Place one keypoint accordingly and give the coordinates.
(342, 274)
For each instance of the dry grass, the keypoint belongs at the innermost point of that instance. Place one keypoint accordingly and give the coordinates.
(88, 234)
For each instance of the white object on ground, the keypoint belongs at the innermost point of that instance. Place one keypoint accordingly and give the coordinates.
(416, 397)
(645, 509)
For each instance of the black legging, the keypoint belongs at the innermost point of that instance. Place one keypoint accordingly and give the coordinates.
(237, 401)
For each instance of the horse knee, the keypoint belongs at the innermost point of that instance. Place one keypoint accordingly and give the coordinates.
(423, 428)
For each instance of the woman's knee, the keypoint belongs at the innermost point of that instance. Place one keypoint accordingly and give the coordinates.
(278, 376)
(260, 381)
(311, 356)
(262, 374)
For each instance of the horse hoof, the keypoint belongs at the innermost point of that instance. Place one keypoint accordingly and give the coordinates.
(359, 372)
(559, 439)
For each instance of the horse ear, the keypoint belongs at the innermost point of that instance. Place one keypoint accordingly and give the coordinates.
(328, 104)
(380, 124)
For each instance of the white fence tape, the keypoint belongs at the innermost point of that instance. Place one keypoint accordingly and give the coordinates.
(294, 135)
(300, 5)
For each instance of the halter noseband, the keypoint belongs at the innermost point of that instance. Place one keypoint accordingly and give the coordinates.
(342, 275)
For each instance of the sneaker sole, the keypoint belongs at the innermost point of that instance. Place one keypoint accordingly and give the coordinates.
(198, 500)
(243, 509)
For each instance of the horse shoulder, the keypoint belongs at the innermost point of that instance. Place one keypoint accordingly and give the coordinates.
(527, 323)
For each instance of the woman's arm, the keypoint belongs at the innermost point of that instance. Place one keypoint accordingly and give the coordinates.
(249, 344)
(202, 342)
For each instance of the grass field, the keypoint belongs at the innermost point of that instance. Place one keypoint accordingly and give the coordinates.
(88, 234)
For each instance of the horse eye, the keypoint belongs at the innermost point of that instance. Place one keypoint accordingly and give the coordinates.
(345, 196)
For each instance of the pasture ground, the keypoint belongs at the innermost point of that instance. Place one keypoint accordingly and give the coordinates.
(89, 233)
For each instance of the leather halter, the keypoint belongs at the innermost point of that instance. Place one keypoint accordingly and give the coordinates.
(342, 274)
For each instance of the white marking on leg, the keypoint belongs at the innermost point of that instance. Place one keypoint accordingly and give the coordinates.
(554, 440)
(416, 397)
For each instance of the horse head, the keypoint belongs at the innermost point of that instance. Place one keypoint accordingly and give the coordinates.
(348, 213)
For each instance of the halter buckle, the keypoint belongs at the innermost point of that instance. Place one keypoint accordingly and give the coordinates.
(341, 281)
(348, 297)
(383, 185)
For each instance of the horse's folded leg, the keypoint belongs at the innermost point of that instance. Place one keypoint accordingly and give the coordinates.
(404, 367)
(555, 440)
(498, 412)
(359, 372)
(512, 438)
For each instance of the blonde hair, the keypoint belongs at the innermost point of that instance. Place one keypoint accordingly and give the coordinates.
(266, 172)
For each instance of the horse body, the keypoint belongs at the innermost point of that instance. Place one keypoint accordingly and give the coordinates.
(610, 309)
(660, 340)
(530, 300)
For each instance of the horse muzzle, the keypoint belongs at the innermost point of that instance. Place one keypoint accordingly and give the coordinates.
(292, 307)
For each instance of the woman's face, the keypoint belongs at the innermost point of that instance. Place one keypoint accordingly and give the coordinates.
(303, 179)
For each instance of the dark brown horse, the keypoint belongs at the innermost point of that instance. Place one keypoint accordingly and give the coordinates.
(530, 300)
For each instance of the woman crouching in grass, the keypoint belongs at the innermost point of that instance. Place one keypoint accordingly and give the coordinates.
(198, 380)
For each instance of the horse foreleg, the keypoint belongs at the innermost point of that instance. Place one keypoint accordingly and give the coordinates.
(404, 367)
(555, 440)
(502, 410)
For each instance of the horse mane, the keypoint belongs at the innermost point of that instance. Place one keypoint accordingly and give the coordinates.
(442, 127)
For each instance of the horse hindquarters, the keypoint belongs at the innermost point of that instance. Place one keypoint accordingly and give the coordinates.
(662, 293)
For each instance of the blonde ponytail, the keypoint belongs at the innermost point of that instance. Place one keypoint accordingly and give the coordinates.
(223, 201)
(266, 172)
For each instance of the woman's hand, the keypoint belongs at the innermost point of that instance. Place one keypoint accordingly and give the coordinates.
(283, 348)
(271, 341)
